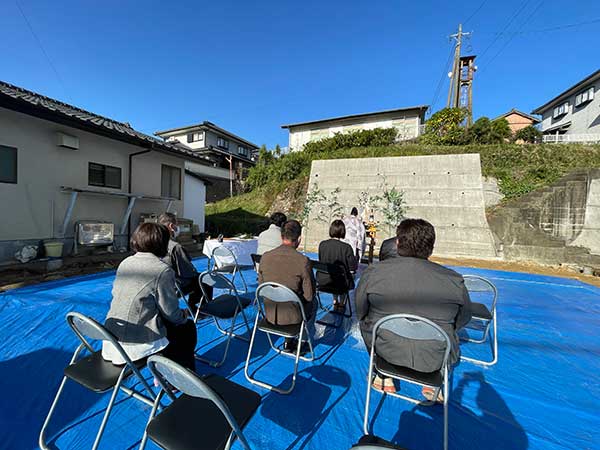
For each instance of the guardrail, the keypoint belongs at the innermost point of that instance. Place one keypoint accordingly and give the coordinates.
(567, 138)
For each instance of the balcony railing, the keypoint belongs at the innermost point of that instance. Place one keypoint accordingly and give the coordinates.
(567, 138)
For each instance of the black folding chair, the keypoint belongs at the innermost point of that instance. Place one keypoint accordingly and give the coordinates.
(416, 329)
(337, 286)
(97, 374)
(255, 260)
(209, 414)
(278, 293)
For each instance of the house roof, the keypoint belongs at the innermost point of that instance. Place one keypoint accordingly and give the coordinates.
(27, 102)
(207, 125)
(520, 113)
(572, 90)
(419, 108)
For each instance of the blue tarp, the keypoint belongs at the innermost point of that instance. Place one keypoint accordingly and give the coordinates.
(544, 393)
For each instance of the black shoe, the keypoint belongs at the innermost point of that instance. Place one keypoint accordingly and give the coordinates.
(290, 345)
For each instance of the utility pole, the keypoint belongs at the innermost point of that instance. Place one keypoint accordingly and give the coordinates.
(453, 91)
(460, 91)
(229, 159)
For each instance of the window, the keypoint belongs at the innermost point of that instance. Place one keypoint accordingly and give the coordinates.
(195, 137)
(243, 150)
(170, 182)
(584, 96)
(223, 143)
(8, 164)
(104, 176)
(560, 110)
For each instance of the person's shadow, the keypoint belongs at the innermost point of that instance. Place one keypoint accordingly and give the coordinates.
(494, 427)
(28, 384)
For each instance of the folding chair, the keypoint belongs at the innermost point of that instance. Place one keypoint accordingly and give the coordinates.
(371, 442)
(210, 413)
(96, 374)
(483, 314)
(278, 293)
(414, 328)
(228, 264)
(255, 260)
(224, 306)
(334, 272)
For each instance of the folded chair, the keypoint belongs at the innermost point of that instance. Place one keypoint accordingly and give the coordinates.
(278, 293)
(224, 306)
(334, 272)
(416, 329)
(483, 315)
(255, 260)
(223, 260)
(209, 414)
(96, 374)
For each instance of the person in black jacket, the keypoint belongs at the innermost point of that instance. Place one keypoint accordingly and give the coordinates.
(412, 284)
(186, 275)
(338, 253)
(389, 249)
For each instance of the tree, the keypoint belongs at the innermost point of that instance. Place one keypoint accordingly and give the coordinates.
(277, 151)
(314, 196)
(480, 131)
(529, 134)
(393, 206)
(500, 131)
(445, 127)
(264, 156)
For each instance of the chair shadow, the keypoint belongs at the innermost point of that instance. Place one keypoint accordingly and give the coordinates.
(307, 406)
(29, 383)
(494, 427)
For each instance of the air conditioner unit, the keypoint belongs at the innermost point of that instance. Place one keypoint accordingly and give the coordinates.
(67, 141)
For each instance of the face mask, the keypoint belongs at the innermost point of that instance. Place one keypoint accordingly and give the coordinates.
(176, 232)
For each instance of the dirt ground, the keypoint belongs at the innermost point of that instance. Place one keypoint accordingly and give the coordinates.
(521, 266)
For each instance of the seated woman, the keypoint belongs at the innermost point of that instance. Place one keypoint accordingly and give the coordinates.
(411, 284)
(335, 251)
(144, 313)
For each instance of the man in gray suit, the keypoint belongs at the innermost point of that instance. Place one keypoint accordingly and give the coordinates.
(412, 284)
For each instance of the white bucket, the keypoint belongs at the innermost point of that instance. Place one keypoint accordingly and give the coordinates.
(53, 249)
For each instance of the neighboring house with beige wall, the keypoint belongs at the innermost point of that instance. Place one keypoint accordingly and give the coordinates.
(518, 120)
(407, 121)
(60, 164)
(573, 115)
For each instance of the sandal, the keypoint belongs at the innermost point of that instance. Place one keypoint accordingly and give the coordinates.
(379, 384)
(428, 394)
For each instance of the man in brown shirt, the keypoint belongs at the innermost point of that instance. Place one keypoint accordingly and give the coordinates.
(287, 266)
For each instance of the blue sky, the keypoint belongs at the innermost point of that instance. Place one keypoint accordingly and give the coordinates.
(251, 66)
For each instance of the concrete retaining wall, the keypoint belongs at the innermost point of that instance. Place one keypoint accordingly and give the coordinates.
(445, 190)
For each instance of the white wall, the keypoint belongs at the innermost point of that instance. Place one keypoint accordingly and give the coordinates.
(584, 119)
(195, 201)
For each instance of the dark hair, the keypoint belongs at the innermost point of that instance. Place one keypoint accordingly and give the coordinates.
(167, 218)
(416, 238)
(354, 211)
(151, 238)
(291, 231)
(278, 219)
(337, 229)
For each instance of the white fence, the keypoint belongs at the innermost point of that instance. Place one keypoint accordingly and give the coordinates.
(566, 138)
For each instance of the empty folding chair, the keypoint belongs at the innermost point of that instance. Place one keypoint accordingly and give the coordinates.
(209, 414)
(371, 442)
(483, 314)
(96, 374)
(255, 260)
(225, 306)
(337, 286)
(223, 260)
(416, 329)
(278, 293)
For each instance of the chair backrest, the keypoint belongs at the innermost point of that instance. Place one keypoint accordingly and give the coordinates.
(167, 371)
(215, 280)
(87, 328)
(414, 328)
(476, 283)
(277, 293)
(223, 253)
(255, 260)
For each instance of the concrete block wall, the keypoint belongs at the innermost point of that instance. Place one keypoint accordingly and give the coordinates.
(444, 189)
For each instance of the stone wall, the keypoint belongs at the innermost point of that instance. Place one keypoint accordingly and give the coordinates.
(445, 189)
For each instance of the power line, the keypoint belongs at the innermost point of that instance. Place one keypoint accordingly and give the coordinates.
(476, 11)
(545, 30)
(441, 80)
(39, 42)
(510, 21)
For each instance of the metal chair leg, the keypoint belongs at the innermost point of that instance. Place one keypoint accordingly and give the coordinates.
(446, 393)
(42, 438)
(152, 414)
(228, 342)
(108, 410)
(490, 324)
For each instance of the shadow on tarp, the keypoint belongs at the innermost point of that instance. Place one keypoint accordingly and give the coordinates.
(494, 427)
(29, 383)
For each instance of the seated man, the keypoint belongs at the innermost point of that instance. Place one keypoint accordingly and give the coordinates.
(271, 237)
(186, 275)
(411, 284)
(287, 266)
(388, 249)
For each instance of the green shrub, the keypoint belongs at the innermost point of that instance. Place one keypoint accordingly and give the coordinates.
(360, 138)
(529, 134)
(445, 127)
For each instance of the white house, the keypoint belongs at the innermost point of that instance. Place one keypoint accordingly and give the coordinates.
(573, 115)
(60, 165)
(407, 121)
